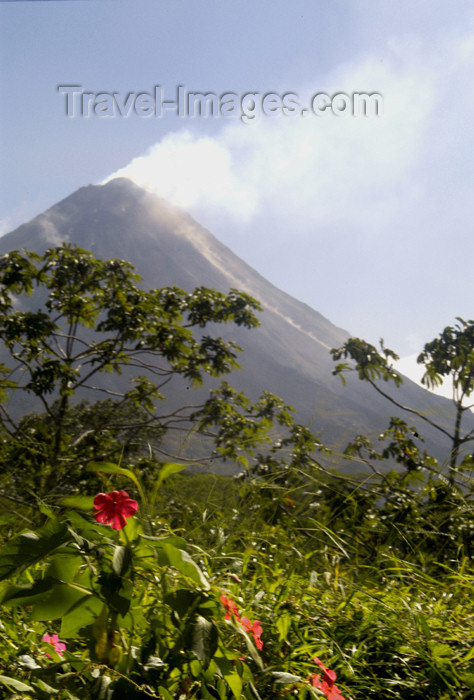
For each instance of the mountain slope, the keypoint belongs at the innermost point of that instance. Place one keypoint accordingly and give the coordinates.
(288, 355)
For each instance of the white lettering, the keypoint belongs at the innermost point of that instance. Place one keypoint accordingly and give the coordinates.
(104, 105)
(70, 91)
(124, 106)
(315, 104)
(144, 105)
(271, 104)
(229, 104)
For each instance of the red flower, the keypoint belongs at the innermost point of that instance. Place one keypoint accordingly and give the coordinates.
(54, 641)
(114, 508)
(255, 628)
(326, 685)
(231, 608)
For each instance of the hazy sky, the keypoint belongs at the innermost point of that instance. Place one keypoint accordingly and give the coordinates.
(366, 219)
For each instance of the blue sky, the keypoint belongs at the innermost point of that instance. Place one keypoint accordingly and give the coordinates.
(366, 219)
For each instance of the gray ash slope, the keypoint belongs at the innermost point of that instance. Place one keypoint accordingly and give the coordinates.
(287, 355)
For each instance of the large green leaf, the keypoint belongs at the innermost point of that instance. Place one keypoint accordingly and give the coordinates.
(84, 613)
(61, 599)
(82, 529)
(117, 591)
(168, 555)
(202, 639)
(121, 560)
(30, 547)
(64, 566)
(108, 468)
(29, 594)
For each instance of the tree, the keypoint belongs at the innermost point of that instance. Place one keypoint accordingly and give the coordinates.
(451, 355)
(93, 320)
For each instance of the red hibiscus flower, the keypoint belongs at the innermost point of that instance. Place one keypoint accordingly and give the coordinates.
(53, 639)
(231, 608)
(255, 628)
(326, 683)
(114, 508)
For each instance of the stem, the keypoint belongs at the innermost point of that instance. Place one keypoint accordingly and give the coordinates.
(456, 443)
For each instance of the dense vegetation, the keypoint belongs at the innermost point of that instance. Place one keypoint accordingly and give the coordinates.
(297, 578)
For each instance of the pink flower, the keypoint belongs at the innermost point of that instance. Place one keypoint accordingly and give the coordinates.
(326, 684)
(114, 508)
(255, 628)
(54, 641)
(231, 608)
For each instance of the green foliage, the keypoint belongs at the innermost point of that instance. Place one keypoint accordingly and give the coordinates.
(93, 320)
(450, 355)
(141, 614)
(217, 589)
(369, 363)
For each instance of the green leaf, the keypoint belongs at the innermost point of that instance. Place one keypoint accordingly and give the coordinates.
(439, 649)
(234, 682)
(64, 567)
(83, 614)
(167, 469)
(168, 555)
(174, 540)
(131, 530)
(79, 502)
(60, 600)
(183, 600)
(108, 468)
(45, 687)
(251, 648)
(468, 679)
(16, 685)
(286, 678)
(283, 625)
(203, 639)
(423, 625)
(83, 530)
(469, 655)
(28, 594)
(46, 510)
(117, 592)
(122, 560)
(30, 547)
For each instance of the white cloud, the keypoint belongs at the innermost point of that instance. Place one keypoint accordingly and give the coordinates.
(187, 171)
(308, 171)
(373, 208)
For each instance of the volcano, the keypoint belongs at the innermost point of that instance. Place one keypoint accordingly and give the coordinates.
(288, 355)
